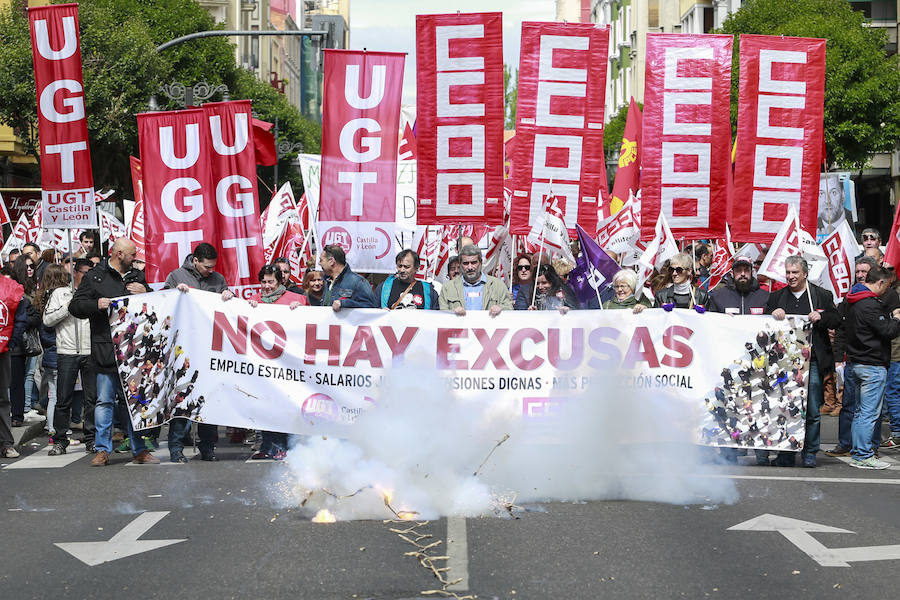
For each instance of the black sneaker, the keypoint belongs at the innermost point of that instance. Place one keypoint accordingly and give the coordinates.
(178, 457)
(91, 448)
(209, 456)
(838, 451)
(57, 450)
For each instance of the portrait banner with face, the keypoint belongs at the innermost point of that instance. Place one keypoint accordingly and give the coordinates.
(837, 204)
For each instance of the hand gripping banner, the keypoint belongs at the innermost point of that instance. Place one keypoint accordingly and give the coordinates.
(735, 381)
(686, 138)
(66, 178)
(559, 136)
(459, 126)
(780, 130)
(359, 155)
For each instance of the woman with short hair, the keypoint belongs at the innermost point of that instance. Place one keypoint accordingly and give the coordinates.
(624, 284)
(681, 292)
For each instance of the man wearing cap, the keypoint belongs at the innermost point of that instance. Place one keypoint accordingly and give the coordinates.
(741, 295)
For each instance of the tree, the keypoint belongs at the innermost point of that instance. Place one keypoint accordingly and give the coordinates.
(862, 83)
(510, 96)
(612, 132)
(122, 70)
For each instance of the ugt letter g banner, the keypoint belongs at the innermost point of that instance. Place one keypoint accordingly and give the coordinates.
(66, 179)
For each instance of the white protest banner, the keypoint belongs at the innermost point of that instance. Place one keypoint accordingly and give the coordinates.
(311, 371)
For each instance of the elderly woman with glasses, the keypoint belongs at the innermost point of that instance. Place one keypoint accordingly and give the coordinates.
(681, 292)
(624, 285)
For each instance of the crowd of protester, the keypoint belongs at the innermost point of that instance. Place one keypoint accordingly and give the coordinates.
(61, 357)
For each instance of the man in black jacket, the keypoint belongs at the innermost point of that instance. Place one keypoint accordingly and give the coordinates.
(803, 298)
(870, 327)
(741, 295)
(92, 300)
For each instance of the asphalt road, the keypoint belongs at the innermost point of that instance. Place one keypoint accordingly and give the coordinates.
(228, 538)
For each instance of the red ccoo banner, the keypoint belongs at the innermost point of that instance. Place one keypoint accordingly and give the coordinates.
(66, 178)
(686, 137)
(358, 197)
(780, 130)
(459, 126)
(559, 136)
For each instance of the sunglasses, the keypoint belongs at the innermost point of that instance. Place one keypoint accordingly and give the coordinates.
(870, 236)
(523, 267)
(677, 270)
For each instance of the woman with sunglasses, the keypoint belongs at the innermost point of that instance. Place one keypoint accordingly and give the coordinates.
(23, 359)
(522, 274)
(681, 292)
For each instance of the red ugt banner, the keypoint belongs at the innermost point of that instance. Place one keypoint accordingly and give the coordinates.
(66, 179)
(781, 108)
(459, 67)
(686, 138)
(559, 136)
(359, 135)
(232, 159)
(179, 203)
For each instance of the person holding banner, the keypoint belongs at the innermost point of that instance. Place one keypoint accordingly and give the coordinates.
(475, 290)
(92, 300)
(313, 287)
(523, 274)
(624, 285)
(402, 290)
(801, 297)
(552, 293)
(345, 289)
(272, 291)
(198, 272)
(678, 290)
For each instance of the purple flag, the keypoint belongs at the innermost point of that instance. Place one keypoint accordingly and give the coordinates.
(593, 271)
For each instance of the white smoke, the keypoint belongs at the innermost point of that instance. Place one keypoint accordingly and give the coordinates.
(420, 447)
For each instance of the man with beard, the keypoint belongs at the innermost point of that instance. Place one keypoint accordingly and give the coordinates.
(741, 295)
(402, 290)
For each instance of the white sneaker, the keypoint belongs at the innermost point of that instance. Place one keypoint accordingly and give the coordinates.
(869, 463)
(9, 453)
(33, 415)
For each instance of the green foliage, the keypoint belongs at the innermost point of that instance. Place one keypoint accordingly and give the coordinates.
(122, 70)
(615, 128)
(862, 83)
(510, 96)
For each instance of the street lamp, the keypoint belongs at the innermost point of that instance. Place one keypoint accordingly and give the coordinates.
(185, 96)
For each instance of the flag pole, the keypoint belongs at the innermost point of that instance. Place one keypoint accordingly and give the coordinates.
(513, 268)
(540, 255)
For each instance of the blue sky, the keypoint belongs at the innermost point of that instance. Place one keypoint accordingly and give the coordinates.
(390, 25)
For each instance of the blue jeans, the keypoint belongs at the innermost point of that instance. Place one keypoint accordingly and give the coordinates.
(848, 410)
(871, 380)
(892, 397)
(108, 390)
(31, 394)
(813, 404)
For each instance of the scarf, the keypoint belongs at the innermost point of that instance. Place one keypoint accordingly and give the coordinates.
(273, 296)
(683, 289)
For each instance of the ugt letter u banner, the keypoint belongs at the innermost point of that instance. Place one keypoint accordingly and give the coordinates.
(66, 179)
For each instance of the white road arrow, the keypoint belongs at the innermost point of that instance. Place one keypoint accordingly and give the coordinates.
(798, 533)
(125, 543)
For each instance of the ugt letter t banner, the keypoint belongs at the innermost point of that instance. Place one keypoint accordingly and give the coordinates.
(686, 135)
(66, 180)
(459, 67)
(781, 107)
(358, 197)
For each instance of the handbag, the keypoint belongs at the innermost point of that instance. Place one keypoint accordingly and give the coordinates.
(32, 342)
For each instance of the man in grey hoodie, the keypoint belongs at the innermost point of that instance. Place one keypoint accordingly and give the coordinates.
(198, 272)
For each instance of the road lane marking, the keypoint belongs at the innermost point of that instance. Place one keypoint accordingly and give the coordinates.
(458, 551)
(809, 479)
(42, 459)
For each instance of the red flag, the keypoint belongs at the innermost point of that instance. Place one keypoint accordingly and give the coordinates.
(723, 259)
(780, 127)
(4, 214)
(892, 251)
(66, 178)
(136, 227)
(628, 175)
(561, 99)
(10, 295)
(459, 126)
(264, 143)
(232, 161)
(358, 194)
(686, 135)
